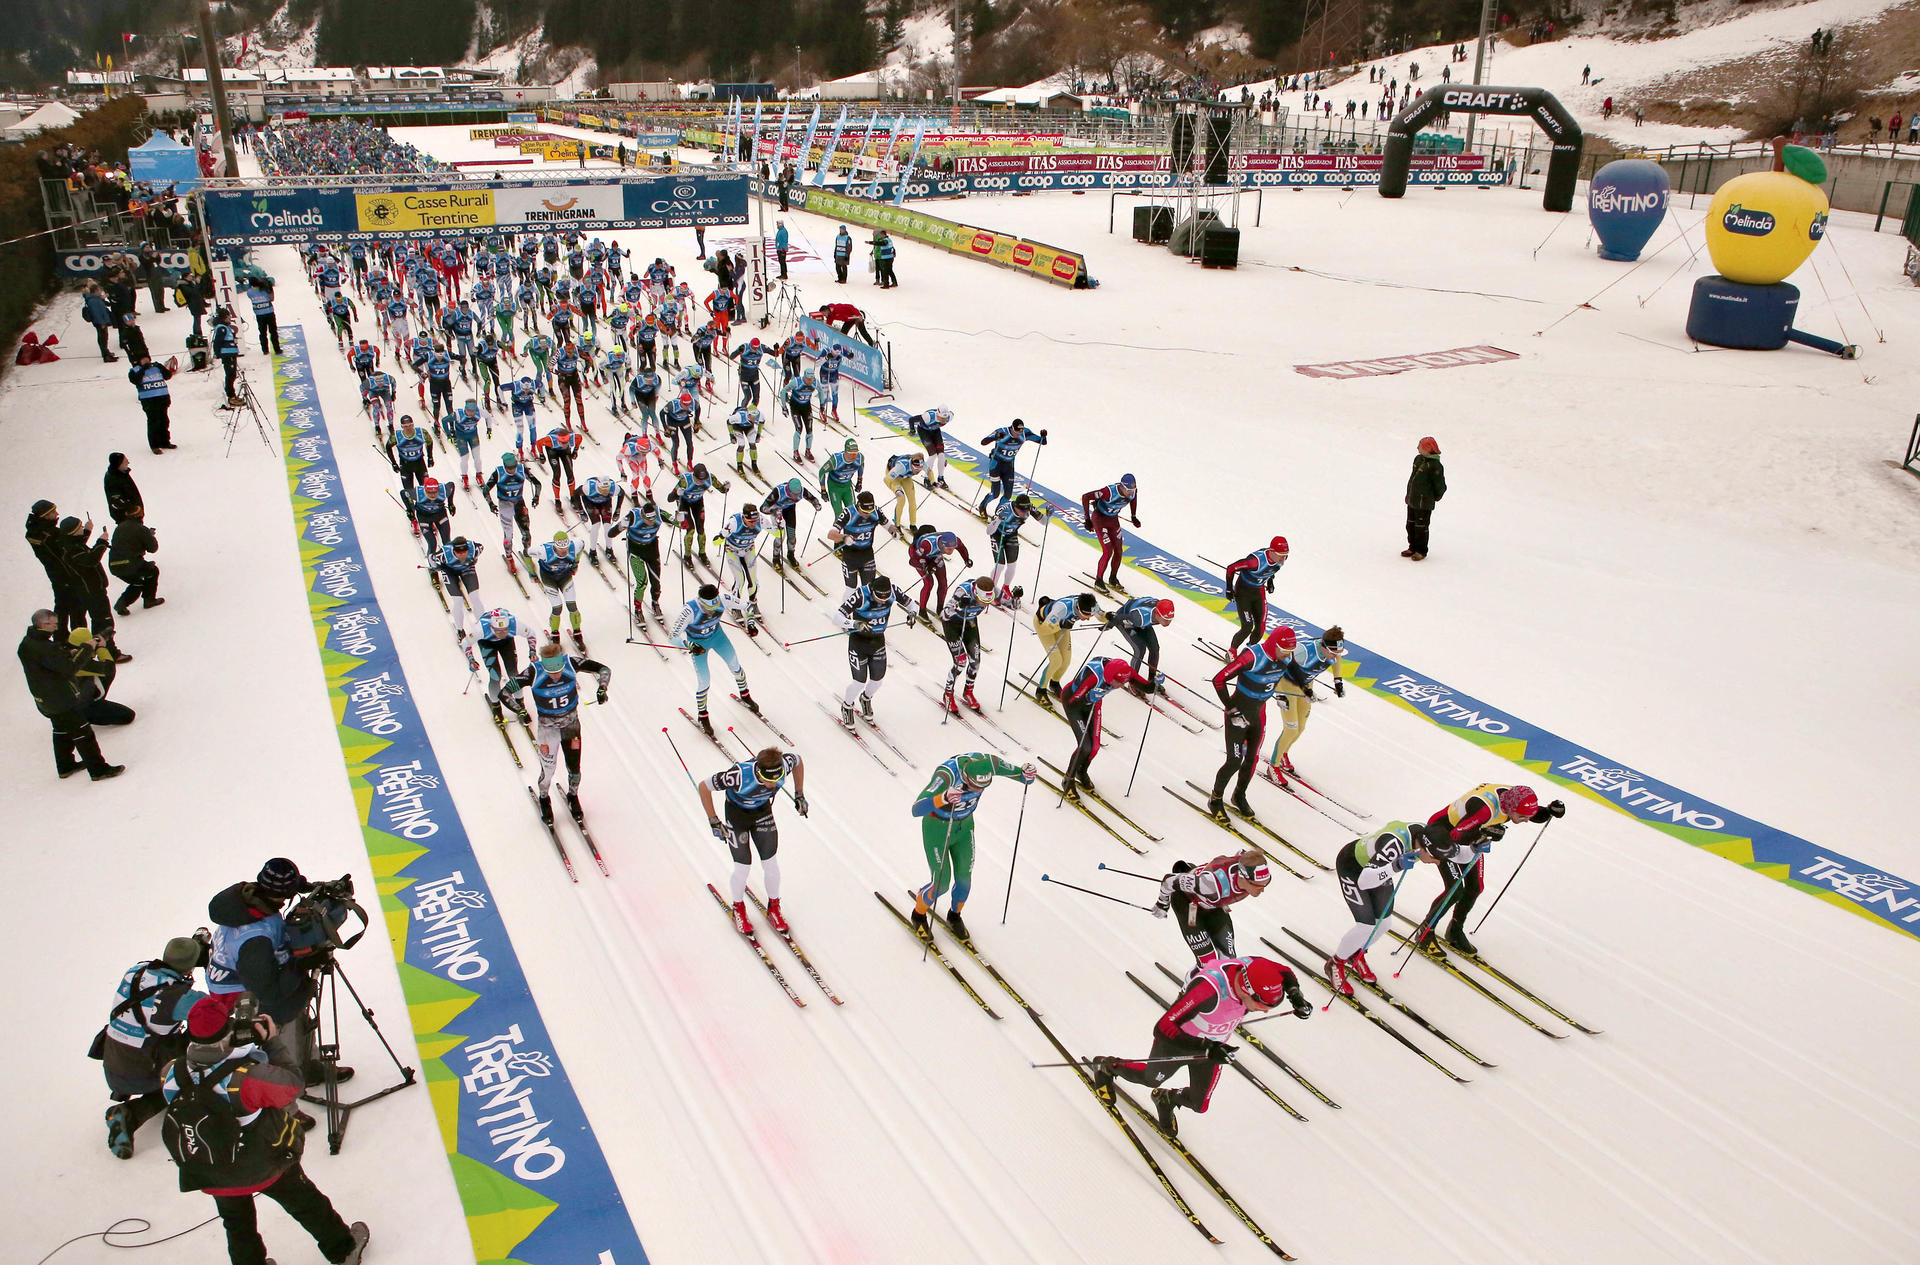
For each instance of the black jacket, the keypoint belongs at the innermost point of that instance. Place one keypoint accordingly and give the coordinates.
(1427, 483)
(280, 987)
(133, 540)
(80, 561)
(122, 492)
(40, 538)
(48, 664)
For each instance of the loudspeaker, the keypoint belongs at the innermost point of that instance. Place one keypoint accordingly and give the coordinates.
(1220, 247)
(1152, 224)
(1185, 239)
(1182, 144)
(1219, 147)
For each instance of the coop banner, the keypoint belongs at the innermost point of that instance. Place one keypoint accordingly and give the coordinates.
(283, 214)
(533, 1182)
(1828, 874)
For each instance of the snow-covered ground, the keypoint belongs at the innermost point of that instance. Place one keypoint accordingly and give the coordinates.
(1698, 563)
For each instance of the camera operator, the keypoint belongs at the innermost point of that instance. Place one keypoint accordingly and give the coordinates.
(233, 1132)
(250, 955)
(147, 1030)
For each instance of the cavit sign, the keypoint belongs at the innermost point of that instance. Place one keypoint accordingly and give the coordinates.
(1453, 359)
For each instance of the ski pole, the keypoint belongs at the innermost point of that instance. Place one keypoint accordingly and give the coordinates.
(1166, 1062)
(1129, 873)
(1138, 752)
(822, 637)
(1428, 923)
(1044, 878)
(1516, 874)
(1375, 930)
(1041, 561)
(676, 754)
(1015, 863)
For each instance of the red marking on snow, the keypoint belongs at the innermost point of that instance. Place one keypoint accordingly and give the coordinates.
(1481, 355)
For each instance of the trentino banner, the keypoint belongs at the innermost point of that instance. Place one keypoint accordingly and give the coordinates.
(533, 1181)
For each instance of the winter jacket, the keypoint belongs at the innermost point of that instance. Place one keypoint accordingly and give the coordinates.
(94, 308)
(260, 966)
(1428, 482)
(49, 671)
(122, 492)
(40, 538)
(80, 561)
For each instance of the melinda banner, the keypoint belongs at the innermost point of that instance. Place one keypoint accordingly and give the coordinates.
(293, 213)
(1830, 875)
(533, 1181)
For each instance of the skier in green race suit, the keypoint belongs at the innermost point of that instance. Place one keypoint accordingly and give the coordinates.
(945, 809)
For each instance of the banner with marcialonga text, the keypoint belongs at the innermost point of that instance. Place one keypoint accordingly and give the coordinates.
(1823, 872)
(532, 1179)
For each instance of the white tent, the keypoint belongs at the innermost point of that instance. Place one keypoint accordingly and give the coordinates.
(50, 115)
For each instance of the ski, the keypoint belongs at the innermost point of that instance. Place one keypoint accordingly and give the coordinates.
(926, 942)
(1236, 1065)
(580, 824)
(1441, 958)
(640, 626)
(799, 954)
(710, 737)
(1171, 701)
(762, 718)
(1379, 990)
(439, 591)
(1372, 1018)
(1059, 712)
(966, 942)
(965, 724)
(601, 572)
(1510, 982)
(1094, 817)
(1355, 813)
(754, 940)
(1235, 831)
(1102, 586)
(1106, 803)
(885, 738)
(858, 737)
(515, 573)
(1108, 1104)
(1253, 1040)
(553, 834)
(500, 723)
(1264, 829)
(1277, 780)
(1203, 1173)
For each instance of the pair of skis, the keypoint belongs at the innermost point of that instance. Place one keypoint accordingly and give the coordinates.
(553, 833)
(800, 955)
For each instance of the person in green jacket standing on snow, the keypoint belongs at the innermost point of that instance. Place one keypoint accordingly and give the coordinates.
(1425, 486)
(945, 808)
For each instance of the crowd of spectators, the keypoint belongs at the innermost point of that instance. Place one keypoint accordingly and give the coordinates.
(343, 148)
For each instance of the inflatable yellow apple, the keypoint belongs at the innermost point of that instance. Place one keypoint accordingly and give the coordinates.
(1763, 225)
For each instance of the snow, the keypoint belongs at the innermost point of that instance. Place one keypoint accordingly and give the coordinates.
(1696, 562)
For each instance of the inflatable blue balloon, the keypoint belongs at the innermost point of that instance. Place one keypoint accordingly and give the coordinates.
(1626, 202)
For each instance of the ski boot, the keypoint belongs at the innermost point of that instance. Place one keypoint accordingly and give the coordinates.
(1218, 811)
(519, 709)
(846, 717)
(946, 701)
(740, 922)
(705, 722)
(774, 916)
(793, 559)
(119, 1136)
(1243, 808)
(1100, 586)
(926, 482)
(579, 639)
(593, 557)
(1286, 763)
(1337, 976)
(921, 926)
(866, 706)
(705, 561)
(463, 483)
(957, 925)
(546, 809)
(809, 454)
(1100, 1071)
(1457, 938)
(746, 700)
(739, 464)
(686, 560)
(1428, 943)
(1086, 783)
(1361, 971)
(941, 482)
(1071, 794)
(753, 463)
(573, 807)
(1044, 697)
(1164, 1105)
(654, 605)
(967, 697)
(639, 610)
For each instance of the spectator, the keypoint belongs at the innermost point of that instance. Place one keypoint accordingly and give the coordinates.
(193, 295)
(226, 346)
(43, 531)
(1425, 486)
(49, 670)
(146, 1030)
(1913, 129)
(120, 291)
(150, 382)
(780, 242)
(226, 1087)
(842, 256)
(95, 310)
(93, 673)
(80, 555)
(123, 494)
(133, 340)
(260, 294)
(250, 955)
(133, 540)
(883, 261)
(153, 274)
(1893, 127)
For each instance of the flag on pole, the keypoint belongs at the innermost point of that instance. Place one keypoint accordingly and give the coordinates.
(833, 144)
(865, 138)
(885, 155)
(754, 149)
(780, 145)
(806, 146)
(913, 156)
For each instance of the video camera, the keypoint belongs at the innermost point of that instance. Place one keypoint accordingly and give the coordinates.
(313, 924)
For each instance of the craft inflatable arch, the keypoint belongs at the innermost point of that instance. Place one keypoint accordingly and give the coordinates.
(1563, 168)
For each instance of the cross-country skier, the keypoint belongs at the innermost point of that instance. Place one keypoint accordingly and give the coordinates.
(930, 429)
(1003, 537)
(1367, 869)
(842, 475)
(1081, 699)
(1254, 673)
(928, 555)
(431, 510)
(640, 526)
(852, 533)
(508, 481)
(701, 630)
(960, 625)
(799, 396)
(1053, 621)
(497, 640)
(1321, 654)
(1003, 448)
(690, 493)
(782, 505)
(594, 502)
(739, 542)
(1198, 897)
(1458, 838)
(904, 471)
(864, 614)
(410, 453)
(945, 808)
(1139, 620)
(1102, 508)
(1248, 583)
(555, 565)
(1194, 1032)
(750, 788)
(455, 562)
(553, 681)
(461, 430)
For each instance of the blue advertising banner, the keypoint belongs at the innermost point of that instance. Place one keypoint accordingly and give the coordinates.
(860, 360)
(1830, 875)
(314, 212)
(533, 1181)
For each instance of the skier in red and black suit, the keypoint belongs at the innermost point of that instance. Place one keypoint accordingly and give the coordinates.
(1198, 897)
(1248, 583)
(1459, 837)
(1194, 1031)
(1081, 701)
(1254, 673)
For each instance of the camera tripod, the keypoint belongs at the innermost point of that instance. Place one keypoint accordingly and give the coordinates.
(249, 403)
(328, 976)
